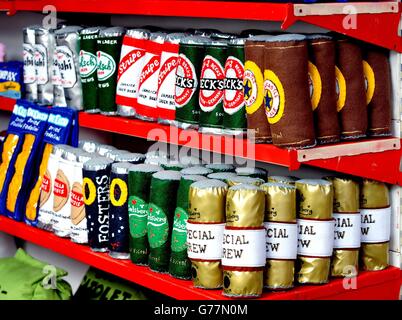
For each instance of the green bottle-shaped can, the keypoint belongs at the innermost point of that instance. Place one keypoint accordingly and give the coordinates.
(189, 64)
(88, 68)
(108, 56)
(234, 116)
(212, 86)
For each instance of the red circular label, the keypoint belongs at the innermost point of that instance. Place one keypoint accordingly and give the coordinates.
(212, 83)
(186, 81)
(233, 99)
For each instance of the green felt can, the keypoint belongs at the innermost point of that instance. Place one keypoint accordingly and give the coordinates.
(180, 264)
(162, 205)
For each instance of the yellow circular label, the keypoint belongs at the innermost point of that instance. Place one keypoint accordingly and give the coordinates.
(369, 81)
(340, 86)
(118, 189)
(315, 84)
(252, 86)
(88, 184)
(274, 97)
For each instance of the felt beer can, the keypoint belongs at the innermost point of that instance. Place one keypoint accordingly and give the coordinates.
(130, 66)
(220, 167)
(205, 226)
(180, 264)
(234, 115)
(190, 161)
(377, 78)
(188, 72)
(222, 176)
(244, 180)
(196, 170)
(67, 52)
(283, 179)
(253, 82)
(212, 87)
(146, 108)
(31, 89)
(345, 259)
(96, 190)
(375, 210)
(167, 78)
(131, 157)
(88, 68)
(351, 102)
(162, 205)
(102, 149)
(321, 77)
(243, 258)
(253, 172)
(169, 164)
(286, 94)
(139, 183)
(108, 54)
(88, 146)
(315, 230)
(119, 233)
(281, 235)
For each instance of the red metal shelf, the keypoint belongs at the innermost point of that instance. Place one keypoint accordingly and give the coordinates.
(377, 159)
(370, 285)
(373, 20)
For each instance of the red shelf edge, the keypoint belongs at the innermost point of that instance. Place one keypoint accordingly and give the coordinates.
(367, 282)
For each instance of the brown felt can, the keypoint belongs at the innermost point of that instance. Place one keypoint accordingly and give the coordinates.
(286, 92)
(254, 89)
(321, 72)
(351, 103)
(377, 78)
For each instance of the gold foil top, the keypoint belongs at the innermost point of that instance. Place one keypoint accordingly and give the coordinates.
(374, 256)
(243, 283)
(280, 202)
(283, 179)
(245, 206)
(313, 270)
(315, 199)
(207, 201)
(345, 263)
(279, 274)
(346, 195)
(374, 194)
(207, 274)
(236, 180)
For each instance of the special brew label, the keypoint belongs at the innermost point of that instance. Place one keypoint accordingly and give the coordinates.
(375, 225)
(88, 64)
(212, 84)
(233, 99)
(166, 80)
(281, 240)
(40, 61)
(243, 248)
(138, 216)
(347, 231)
(315, 238)
(186, 81)
(65, 61)
(106, 65)
(148, 82)
(29, 63)
(274, 97)
(315, 85)
(179, 232)
(158, 226)
(204, 241)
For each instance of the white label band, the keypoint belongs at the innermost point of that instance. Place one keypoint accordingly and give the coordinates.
(243, 248)
(204, 241)
(375, 225)
(281, 240)
(347, 230)
(316, 238)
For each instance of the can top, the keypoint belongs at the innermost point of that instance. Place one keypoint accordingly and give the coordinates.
(220, 166)
(222, 175)
(112, 154)
(103, 148)
(278, 184)
(97, 163)
(198, 40)
(208, 183)
(83, 156)
(156, 154)
(67, 30)
(121, 167)
(245, 180)
(260, 38)
(168, 163)
(196, 170)
(244, 186)
(314, 182)
(155, 160)
(92, 30)
(251, 32)
(70, 154)
(316, 36)
(59, 149)
(193, 177)
(190, 160)
(138, 33)
(287, 37)
(112, 32)
(245, 171)
(88, 146)
(223, 35)
(167, 175)
(175, 37)
(158, 37)
(282, 179)
(205, 32)
(129, 157)
(145, 168)
(218, 43)
(237, 41)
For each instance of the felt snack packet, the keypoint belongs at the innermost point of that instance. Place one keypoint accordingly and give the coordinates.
(11, 79)
(25, 166)
(11, 147)
(57, 132)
